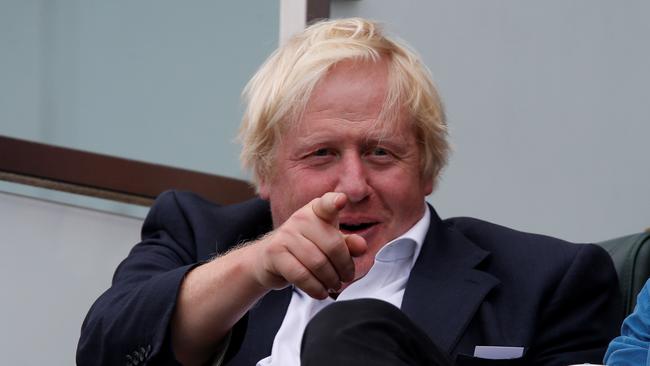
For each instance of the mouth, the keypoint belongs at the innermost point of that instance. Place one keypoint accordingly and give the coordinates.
(356, 228)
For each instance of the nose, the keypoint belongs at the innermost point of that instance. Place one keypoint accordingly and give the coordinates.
(353, 179)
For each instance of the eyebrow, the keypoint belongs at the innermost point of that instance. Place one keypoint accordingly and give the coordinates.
(372, 138)
(393, 142)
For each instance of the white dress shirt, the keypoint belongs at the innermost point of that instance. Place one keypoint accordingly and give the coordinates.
(386, 281)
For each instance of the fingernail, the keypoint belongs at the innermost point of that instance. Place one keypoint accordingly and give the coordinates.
(334, 198)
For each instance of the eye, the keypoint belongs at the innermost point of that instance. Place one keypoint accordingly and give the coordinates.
(379, 151)
(380, 155)
(321, 152)
(319, 157)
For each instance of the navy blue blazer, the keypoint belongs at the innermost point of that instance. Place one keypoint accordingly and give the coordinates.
(474, 284)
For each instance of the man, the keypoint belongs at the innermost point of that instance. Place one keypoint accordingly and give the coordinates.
(346, 136)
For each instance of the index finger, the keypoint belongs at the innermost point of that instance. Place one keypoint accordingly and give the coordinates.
(327, 207)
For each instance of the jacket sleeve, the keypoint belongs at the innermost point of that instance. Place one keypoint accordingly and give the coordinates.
(582, 314)
(129, 323)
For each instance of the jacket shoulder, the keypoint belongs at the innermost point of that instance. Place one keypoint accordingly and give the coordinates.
(493, 236)
(201, 221)
(533, 253)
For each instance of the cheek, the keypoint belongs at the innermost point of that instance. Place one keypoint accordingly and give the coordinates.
(402, 190)
(295, 189)
(396, 183)
(310, 185)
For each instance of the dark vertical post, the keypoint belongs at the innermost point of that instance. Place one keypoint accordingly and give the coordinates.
(317, 9)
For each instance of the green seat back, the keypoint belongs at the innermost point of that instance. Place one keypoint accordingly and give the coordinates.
(631, 257)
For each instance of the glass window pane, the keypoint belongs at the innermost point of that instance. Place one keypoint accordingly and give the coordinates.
(157, 81)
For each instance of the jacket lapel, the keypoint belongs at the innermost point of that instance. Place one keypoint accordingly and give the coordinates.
(445, 288)
(253, 339)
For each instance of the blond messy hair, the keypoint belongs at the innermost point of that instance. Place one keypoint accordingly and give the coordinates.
(277, 94)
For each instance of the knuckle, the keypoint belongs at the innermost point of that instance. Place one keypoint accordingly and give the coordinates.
(272, 245)
(299, 275)
(281, 237)
(338, 242)
(281, 231)
(314, 201)
(333, 244)
(321, 263)
(301, 216)
(301, 212)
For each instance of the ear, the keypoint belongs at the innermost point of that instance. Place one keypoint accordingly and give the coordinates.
(427, 186)
(263, 189)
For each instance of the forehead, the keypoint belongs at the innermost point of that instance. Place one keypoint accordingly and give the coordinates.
(352, 85)
(352, 96)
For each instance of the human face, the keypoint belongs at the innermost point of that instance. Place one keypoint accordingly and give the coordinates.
(337, 147)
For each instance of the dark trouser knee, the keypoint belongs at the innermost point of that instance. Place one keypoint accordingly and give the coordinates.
(367, 331)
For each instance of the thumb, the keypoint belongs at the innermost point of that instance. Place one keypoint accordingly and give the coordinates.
(356, 244)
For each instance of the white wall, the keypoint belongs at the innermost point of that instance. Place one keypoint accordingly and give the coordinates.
(548, 106)
(56, 260)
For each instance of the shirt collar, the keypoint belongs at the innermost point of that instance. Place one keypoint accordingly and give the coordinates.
(407, 245)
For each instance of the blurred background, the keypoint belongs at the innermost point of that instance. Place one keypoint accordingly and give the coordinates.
(547, 102)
